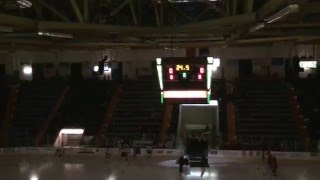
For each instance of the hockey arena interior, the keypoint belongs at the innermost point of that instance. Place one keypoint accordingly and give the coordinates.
(159, 89)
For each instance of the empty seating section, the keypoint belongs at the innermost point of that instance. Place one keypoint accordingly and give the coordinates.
(3, 101)
(84, 107)
(264, 115)
(138, 115)
(35, 102)
(308, 92)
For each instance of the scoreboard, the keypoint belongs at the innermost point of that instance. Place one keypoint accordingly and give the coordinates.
(186, 79)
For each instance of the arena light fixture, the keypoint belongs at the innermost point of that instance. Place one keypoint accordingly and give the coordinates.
(55, 34)
(185, 94)
(257, 27)
(291, 8)
(96, 68)
(71, 131)
(27, 69)
(24, 3)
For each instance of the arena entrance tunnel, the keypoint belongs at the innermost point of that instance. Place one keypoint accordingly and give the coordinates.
(198, 128)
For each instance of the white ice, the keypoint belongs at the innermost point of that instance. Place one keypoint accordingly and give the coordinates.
(90, 167)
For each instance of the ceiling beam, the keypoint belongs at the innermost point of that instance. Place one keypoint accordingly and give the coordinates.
(19, 23)
(242, 19)
(54, 11)
(186, 16)
(248, 6)
(76, 10)
(133, 12)
(310, 8)
(270, 7)
(294, 25)
(234, 7)
(155, 7)
(205, 27)
(86, 10)
(37, 8)
(122, 5)
(295, 32)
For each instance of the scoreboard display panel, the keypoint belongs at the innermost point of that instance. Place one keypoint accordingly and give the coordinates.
(184, 76)
(185, 79)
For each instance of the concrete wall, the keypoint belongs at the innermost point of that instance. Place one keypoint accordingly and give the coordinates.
(142, 59)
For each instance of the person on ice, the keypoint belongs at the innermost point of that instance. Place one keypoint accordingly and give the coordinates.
(274, 166)
(181, 162)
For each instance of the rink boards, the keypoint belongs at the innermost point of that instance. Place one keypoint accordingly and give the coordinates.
(158, 152)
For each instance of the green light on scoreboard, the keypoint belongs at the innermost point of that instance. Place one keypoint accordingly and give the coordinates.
(184, 75)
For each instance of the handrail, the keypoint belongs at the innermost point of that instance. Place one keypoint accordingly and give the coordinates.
(52, 116)
(297, 115)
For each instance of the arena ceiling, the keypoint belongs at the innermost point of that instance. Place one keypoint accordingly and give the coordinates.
(101, 24)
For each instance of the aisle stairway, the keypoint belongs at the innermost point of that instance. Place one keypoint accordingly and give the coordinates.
(264, 114)
(138, 111)
(84, 108)
(35, 102)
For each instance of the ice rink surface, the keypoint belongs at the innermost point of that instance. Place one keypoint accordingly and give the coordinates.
(90, 167)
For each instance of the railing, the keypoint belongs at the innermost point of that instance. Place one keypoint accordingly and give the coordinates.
(297, 115)
(52, 116)
(275, 143)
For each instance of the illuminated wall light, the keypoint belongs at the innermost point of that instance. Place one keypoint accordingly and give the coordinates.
(210, 60)
(34, 177)
(199, 76)
(213, 102)
(170, 70)
(185, 94)
(214, 68)
(308, 64)
(209, 75)
(159, 70)
(96, 68)
(27, 70)
(201, 70)
(216, 62)
(71, 131)
(158, 61)
(171, 77)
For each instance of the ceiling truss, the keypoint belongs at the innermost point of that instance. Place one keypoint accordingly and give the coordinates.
(123, 24)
